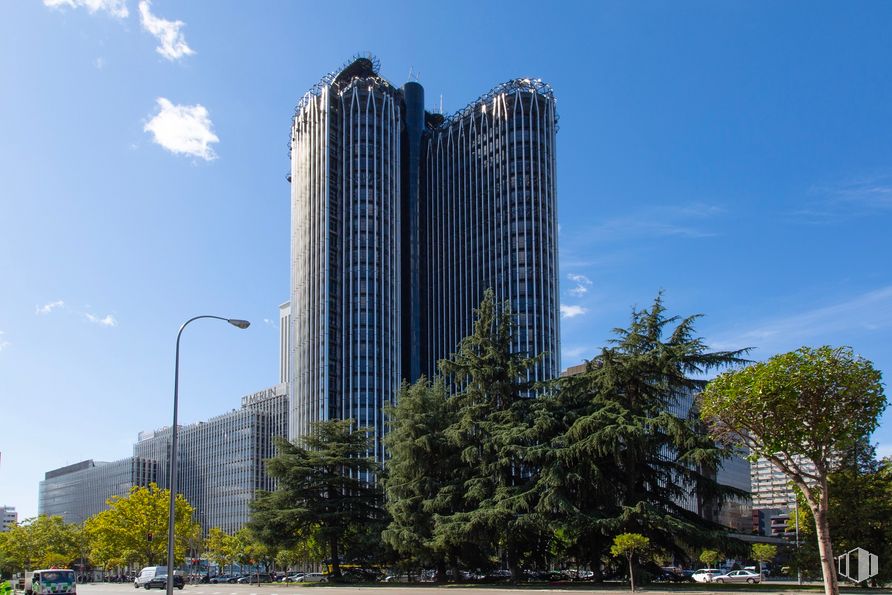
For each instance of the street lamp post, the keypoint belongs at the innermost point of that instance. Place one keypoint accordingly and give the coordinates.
(242, 324)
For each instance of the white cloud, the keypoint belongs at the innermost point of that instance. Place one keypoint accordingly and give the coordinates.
(115, 8)
(568, 311)
(99, 63)
(47, 308)
(3, 342)
(183, 129)
(108, 320)
(582, 283)
(173, 44)
(884, 450)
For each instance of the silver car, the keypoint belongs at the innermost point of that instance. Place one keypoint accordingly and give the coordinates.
(738, 576)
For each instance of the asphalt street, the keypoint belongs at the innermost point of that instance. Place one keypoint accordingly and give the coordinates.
(296, 589)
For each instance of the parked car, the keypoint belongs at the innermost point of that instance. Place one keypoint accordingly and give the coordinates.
(738, 576)
(261, 577)
(704, 575)
(292, 578)
(224, 578)
(313, 577)
(159, 581)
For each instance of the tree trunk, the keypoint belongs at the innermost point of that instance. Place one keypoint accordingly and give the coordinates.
(825, 548)
(335, 562)
(631, 574)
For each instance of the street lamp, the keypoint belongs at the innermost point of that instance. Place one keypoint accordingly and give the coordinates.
(242, 324)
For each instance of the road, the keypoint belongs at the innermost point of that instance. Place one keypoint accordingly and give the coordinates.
(296, 589)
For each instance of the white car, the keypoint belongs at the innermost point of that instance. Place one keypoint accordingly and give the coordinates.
(738, 576)
(312, 577)
(705, 575)
(292, 578)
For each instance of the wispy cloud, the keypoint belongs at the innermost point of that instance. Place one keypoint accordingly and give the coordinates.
(183, 129)
(870, 311)
(850, 198)
(115, 8)
(107, 320)
(657, 221)
(582, 284)
(569, 311)
(47, 308)
(173, 44)
(3, 342)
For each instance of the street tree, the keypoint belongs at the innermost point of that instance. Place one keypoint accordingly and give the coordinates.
(326, 483)
(421, 474)
(859, 515)
(710, 557)
(134, 528)
(630, 546)
(811, 406)
(764, 552)
(40, 542)
(221, 548)
(492, 434)
(623, 447)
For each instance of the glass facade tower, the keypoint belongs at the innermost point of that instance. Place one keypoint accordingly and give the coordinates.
(400, 220)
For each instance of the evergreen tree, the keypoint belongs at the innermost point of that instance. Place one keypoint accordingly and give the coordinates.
(420, 473)
(492, 432)
(623, 454)
(326, 484)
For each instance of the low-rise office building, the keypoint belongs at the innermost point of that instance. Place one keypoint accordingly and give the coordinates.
(77, 492)
(220, 462)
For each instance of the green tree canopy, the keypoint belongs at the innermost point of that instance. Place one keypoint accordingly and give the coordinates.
(710, 557)
(220, 547)
(489, 501)
(134, 528)
(624, 448)
(630, 546)
(420, 473)
(40, 542)
(326, 483)
(809, 405)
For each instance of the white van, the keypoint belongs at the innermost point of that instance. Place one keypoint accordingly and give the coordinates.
(147, 574)
(52, 581)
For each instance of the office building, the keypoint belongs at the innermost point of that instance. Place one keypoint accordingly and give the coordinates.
(400, 220)
(220, 462)
(8, 517)
(77, 492)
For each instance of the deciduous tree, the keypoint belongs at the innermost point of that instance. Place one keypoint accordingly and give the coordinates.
(134, 528)
(630, 546)
(807, 405)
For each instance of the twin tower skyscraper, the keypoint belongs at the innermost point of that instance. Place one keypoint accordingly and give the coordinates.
(400, 220)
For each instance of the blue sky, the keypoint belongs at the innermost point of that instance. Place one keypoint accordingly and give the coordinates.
(735, 155)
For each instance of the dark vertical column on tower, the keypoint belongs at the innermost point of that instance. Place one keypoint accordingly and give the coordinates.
(412, 213)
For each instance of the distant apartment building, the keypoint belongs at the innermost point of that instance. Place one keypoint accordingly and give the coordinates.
(77, 492)
(220, 462)
(771, 488)
(8, 517)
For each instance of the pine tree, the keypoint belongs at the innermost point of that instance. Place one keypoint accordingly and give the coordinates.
(326, 485)
(419, 472)
(491, 430)
(624, 455)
